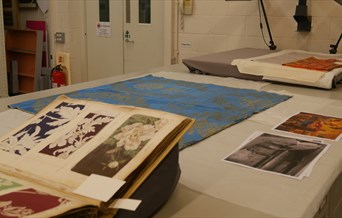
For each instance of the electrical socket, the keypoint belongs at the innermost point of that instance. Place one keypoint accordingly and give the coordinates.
(60, 37)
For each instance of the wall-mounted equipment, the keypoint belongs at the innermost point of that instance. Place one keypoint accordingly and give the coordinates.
(302, 18)
(60, 37)
(271, 46)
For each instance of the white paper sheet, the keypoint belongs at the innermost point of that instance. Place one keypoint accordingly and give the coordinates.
(127, 204)
(12, 118)
(99, 187)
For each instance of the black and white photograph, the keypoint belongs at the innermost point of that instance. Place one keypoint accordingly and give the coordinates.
(283, 155)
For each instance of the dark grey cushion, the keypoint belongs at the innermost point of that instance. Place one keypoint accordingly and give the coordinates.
(156, 189)
(218, 64)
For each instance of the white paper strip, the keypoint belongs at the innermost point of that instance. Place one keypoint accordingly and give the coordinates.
(127, 204)
(99, 187)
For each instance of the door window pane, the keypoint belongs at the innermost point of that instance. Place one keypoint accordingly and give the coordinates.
(144, 11)
(128, 11)
(104, 10)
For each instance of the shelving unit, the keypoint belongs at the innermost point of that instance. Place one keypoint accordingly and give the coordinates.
(24, 47)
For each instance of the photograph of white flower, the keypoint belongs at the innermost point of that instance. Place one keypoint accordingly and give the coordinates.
(121, 147)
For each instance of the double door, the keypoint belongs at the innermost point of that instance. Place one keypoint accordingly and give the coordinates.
(124, 36)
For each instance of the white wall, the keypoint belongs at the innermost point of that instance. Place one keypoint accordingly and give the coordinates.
(68, 16)
(218, 25)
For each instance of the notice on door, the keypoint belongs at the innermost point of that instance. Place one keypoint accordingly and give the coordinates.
(103, 29)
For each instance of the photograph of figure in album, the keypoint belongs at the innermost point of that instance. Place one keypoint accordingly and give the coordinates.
(278, 154)
(314, 125)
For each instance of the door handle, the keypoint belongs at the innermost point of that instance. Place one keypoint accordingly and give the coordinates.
(129, 41)
(127, 36)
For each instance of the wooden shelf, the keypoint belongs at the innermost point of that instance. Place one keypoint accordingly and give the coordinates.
(32, 52)
(24, 47)
(25, 84)
(25, 75)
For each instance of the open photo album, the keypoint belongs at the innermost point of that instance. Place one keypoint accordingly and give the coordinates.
(79, 156)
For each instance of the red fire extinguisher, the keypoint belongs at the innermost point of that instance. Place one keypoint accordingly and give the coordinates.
(57, 77)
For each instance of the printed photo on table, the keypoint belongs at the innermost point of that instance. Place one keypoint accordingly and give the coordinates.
(283, 155)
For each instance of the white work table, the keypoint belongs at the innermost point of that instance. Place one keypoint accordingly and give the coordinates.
(209, 187)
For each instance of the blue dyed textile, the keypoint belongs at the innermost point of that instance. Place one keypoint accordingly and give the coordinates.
(214, 107)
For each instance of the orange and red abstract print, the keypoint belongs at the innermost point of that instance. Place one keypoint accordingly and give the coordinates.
(313, 63)
(315, 125)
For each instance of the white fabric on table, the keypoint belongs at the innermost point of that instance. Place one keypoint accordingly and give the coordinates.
(270, 67)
